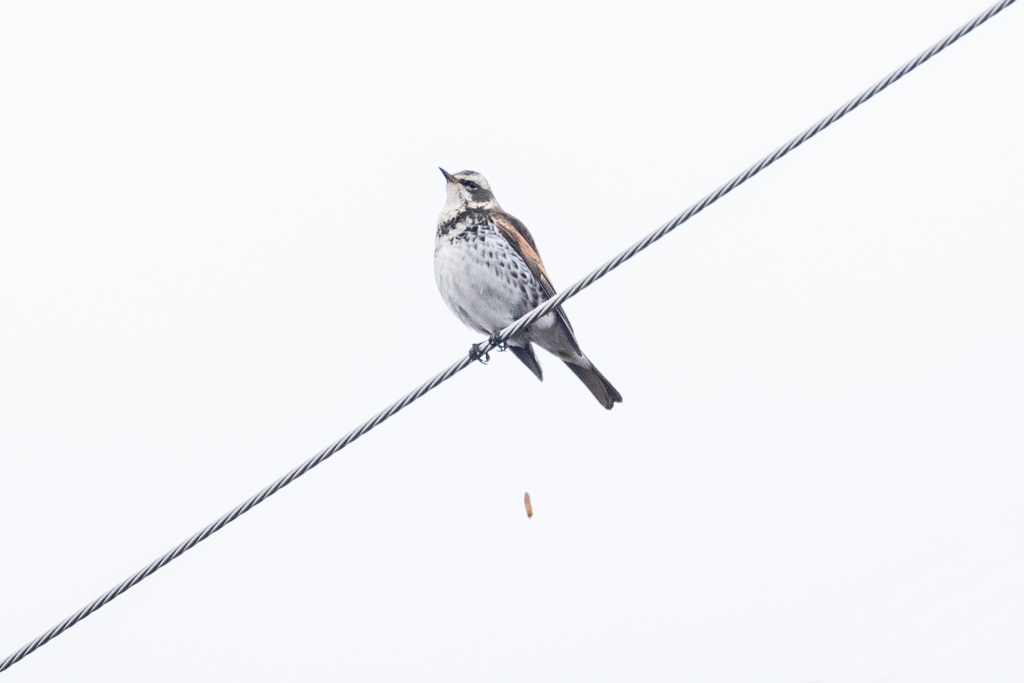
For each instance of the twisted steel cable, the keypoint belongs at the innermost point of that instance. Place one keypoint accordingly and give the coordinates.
(502, 336)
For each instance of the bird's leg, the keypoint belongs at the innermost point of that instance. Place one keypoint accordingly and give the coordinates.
(475, 353)
(497, 342)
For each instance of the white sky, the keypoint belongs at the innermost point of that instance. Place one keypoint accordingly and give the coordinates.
(216, 234)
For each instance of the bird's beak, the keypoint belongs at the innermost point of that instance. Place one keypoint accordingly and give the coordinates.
(448, 176)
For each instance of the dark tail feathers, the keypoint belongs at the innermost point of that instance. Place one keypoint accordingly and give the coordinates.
(600, 387)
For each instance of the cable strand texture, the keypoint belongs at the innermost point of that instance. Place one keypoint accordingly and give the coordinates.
(503, 336)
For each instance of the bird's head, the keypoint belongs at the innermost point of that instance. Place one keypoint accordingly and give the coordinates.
(469, 190)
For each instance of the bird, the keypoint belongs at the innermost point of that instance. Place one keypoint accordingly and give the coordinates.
(489, 273)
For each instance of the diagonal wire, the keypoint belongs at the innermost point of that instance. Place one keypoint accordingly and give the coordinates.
(502, 336)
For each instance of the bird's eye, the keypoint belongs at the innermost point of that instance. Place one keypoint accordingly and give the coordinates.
(470, 184)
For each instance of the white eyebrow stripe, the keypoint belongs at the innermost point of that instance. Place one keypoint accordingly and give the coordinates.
(474, 177)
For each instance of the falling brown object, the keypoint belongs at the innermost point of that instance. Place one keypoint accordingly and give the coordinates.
(529, 508)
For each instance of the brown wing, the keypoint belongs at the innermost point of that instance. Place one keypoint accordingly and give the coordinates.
(516, 234)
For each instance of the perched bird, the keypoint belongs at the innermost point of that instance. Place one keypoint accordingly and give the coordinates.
(489, 273)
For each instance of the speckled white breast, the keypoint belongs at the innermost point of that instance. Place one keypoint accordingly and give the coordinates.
(482, 279)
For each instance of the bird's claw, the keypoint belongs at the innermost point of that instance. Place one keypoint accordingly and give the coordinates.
(475, 353)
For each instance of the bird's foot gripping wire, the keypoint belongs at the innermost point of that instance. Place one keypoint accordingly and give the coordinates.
(498, 343)
(475, 353)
